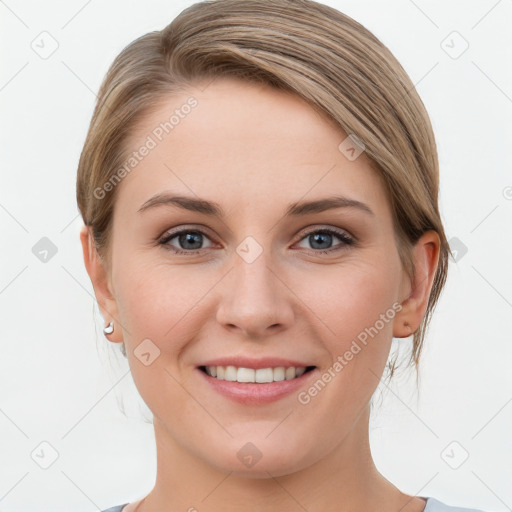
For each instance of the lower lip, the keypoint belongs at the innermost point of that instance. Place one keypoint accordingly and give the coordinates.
(251, 393)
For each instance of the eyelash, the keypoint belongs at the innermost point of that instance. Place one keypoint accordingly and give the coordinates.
(347, 240)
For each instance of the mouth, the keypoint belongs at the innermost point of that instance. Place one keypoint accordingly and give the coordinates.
(257, 376)
(256, 387)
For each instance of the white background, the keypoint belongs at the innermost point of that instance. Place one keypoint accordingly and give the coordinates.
(62, 382)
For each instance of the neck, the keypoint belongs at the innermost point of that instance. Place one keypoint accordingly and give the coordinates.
(345, 479)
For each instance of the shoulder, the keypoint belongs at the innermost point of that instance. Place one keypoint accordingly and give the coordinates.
(434, 505)
(117, 508)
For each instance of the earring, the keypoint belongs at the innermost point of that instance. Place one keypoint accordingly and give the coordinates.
(109, 329)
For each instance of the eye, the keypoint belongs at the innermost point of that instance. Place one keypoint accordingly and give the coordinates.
(320, 238)
(189, 239)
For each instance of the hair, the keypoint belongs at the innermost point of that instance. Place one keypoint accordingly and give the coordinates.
(301, 46)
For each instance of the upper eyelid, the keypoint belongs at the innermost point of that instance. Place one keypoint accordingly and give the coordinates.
(169, 235)
(318, 227)
(306, 230)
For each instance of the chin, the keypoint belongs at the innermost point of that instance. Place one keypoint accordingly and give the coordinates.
(269, 461)
(261, 470)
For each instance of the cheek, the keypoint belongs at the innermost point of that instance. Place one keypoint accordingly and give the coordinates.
(158, 321)
(358, 306)
(354, 298)
(161, 303)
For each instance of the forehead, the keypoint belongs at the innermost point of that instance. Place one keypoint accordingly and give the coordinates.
(230, 111)
(244, 143)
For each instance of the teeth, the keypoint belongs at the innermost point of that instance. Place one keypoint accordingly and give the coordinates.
(261, 375)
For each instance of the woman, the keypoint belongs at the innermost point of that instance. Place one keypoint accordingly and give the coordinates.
(259, 187)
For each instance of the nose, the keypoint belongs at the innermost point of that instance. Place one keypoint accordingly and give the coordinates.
(255, 300)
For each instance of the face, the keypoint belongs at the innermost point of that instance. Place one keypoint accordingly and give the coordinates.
(253, 280)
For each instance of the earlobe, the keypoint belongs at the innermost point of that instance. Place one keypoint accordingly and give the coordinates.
(100, 281)
(426, 259)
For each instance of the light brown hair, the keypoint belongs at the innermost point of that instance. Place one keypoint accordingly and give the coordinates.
(300, 46)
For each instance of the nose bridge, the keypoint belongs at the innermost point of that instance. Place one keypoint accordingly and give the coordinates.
(255, 277)
(254, 299)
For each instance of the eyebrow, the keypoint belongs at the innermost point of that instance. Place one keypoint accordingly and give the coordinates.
(214, 209)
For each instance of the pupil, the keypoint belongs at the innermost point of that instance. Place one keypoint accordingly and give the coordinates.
(318, 238)
(188, 237)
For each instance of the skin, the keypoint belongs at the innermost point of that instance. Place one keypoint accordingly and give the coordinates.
(254, 150)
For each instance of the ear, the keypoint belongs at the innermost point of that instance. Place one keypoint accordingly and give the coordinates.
(417, 292)
(101, 283)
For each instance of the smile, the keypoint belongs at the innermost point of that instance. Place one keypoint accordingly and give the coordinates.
(260, 375)
(256, 387)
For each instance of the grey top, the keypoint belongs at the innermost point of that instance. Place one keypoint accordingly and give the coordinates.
(433, 505)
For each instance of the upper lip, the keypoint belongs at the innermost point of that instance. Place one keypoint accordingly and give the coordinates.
(264, 362)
